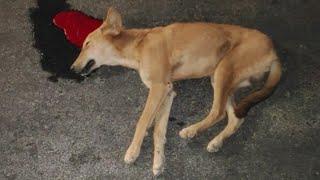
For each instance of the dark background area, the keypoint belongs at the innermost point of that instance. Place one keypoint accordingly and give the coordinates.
(63, 128)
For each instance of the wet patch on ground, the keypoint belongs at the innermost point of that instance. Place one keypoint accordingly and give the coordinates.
(57, 54)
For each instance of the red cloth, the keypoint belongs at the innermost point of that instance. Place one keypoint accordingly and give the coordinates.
(76, 25)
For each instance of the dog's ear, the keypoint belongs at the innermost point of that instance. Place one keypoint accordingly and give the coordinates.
(112, 25)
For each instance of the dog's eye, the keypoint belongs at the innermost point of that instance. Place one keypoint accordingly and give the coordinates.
(87, 43)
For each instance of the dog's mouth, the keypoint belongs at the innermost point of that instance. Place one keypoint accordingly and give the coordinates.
(88, 68)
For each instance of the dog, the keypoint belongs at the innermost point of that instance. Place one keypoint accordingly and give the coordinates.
(232, 56)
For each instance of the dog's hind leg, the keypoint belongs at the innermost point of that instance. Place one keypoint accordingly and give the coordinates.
(222, 84)
(233, 124)
(159, 134)
(157, 94)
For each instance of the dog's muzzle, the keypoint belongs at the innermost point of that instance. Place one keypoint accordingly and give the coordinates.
(86, 70)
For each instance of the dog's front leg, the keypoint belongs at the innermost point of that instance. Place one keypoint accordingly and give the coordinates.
(159, 134)
(157, 94)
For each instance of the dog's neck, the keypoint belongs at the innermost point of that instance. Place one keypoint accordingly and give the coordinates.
(127, 43)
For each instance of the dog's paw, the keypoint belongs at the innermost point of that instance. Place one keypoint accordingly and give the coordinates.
(188, 132)
(157, 170)
(131, 155)
(214, 146)
(158, 165)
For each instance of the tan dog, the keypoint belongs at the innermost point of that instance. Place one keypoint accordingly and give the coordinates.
(230, 55)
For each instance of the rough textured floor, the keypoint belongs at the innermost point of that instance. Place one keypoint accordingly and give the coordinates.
(71, 130)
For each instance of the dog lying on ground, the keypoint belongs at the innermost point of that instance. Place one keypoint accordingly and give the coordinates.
(230, 55)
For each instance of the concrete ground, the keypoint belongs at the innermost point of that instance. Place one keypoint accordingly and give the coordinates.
(72, 130)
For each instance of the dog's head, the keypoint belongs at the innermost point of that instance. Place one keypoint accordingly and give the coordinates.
(98, 48)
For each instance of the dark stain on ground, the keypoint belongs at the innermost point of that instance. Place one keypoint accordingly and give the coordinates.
(86, 156)
(172, 119)
(57, 54)
(179, 123)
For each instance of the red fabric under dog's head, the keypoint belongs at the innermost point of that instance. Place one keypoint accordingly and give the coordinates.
(76, 25)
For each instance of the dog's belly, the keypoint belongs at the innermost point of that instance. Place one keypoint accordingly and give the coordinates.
(192, 67)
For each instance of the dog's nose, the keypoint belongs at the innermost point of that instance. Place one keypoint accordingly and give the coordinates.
(75, 69)
(72, 69)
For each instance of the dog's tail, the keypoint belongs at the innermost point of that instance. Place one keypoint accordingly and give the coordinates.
(246, 103)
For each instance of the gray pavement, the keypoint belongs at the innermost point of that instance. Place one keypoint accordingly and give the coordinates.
(71, 130)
